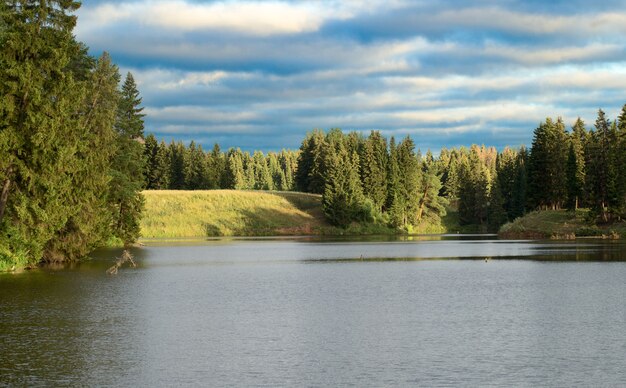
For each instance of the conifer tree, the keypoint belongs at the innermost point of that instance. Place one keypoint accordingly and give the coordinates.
(39, 124)
(217, 167)
(176, 153)
(374, 161)
(576, 166)
(548, 157)
(128, 164)
(601, 175)
(151, 148)
(620, 161)
(161, 168)
(343, 199)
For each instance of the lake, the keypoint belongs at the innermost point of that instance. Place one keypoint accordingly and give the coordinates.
(422, 311)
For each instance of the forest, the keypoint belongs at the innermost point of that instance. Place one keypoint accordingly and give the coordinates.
(372, 179)
(74, 158)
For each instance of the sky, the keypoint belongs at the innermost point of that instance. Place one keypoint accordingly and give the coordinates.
(260, 75)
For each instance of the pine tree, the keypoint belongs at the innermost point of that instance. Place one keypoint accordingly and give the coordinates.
(128, 164)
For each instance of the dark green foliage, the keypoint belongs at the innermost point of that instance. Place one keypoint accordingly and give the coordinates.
(58, 108)
(601, 155)
(546, 167)
(217, 167)
(403, 206)
(88, 226)
(576, 166)
(151, 148)
(41, 104)
(195, 168)
(343, 199)
(374, 159)
(176, 153)
(128, 164)
(310, 171)
(160, 173)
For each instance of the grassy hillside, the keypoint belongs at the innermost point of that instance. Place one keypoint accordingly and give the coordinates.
(186, 214)
(559, 224)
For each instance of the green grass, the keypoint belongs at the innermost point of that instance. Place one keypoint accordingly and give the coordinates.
(175, 214)
(559, 224)
(193, 214)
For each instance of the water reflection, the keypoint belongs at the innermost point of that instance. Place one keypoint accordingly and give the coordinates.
(320, 312)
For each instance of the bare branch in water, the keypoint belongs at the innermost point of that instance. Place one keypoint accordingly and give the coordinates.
(126, 256)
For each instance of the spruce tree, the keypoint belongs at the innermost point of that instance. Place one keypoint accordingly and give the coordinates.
(151, 148)
(128, 164)
(343, 199)
(89, 224)
(601, 175)
(374, 159)
(576, 166)
(40, 126)
(161, 167)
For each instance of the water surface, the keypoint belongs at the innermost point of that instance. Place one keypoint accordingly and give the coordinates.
(310, 312)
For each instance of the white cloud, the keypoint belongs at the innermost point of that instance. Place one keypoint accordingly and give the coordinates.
(256, 18)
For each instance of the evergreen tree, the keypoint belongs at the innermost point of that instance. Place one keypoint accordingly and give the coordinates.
(40, 124)
(176, 178)
(343, 199)
(576, 165)
(150, 151)
(128, 164)
(506, 170)
(235, 176)
(407, 190)
(161, 167)
(309, 173)
(374, 160)
(620, 161)
(89, 224)
(195, 169)
(548, 157)
(217, 167)
(601, 174)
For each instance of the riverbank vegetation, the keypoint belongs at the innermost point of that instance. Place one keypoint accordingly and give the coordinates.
(71, 165)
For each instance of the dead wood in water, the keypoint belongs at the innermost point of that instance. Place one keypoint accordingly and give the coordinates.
(126, 256)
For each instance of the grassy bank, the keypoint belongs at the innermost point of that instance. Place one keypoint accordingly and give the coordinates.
(188, 214)
(559, 224)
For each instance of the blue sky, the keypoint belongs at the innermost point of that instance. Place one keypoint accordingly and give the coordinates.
(259, 75)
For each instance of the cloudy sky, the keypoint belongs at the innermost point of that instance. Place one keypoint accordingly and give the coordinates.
(259, 75)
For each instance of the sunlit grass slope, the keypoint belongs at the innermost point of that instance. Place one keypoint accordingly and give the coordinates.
(559, 224)
(188, 214)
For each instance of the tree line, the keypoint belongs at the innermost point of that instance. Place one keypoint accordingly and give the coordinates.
(70, 139)
(175, 166)
(372, 179)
